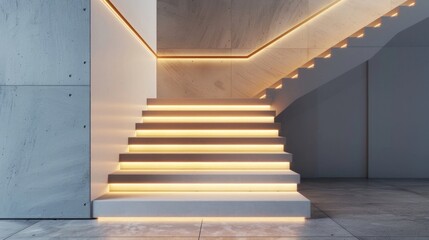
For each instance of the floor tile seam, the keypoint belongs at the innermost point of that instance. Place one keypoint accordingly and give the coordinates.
(201, 227)
(21, 230)
(334, 220)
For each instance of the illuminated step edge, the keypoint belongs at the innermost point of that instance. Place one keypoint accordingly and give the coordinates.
(198, 119)
(260, 113)
(202, 187)
(202, 205)
(207, 107)
(206, 148)
(204, 165)
(173, 219)
(207, 133)
(206, 157)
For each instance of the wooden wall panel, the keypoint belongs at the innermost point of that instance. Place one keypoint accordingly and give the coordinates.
(251, 23)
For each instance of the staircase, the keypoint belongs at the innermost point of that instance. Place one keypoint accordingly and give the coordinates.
(347, 54)
(204, 158)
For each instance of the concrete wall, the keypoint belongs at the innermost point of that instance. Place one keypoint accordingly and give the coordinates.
(44, 109)
(372, 121)
(123, 76)
(240, 26)
(399, 106)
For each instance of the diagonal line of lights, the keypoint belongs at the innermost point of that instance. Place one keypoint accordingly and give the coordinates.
(128, 25)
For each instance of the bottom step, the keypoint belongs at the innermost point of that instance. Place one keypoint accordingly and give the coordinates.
(197, 204)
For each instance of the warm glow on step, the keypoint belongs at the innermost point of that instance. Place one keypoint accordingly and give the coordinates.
(208, 133)
(205, 219)
(209, 148)
(377, 25)
(235, 119)
(203, 187)
(208, 107)
(204, 165)
(361, 35)
(328, 55)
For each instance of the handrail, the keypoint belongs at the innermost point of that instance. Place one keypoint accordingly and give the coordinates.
(121, 17)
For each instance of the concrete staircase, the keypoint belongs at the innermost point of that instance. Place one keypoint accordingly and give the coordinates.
(346, 55)
(204, 158)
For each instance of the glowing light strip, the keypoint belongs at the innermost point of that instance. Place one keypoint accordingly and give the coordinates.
(207, 107)
(197, 119)
(206, 148)
(205, 165)
(206, 219)
(121, 17)
(202, 187)
(208, 133)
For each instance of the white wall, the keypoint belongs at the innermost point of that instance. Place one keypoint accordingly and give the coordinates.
(123, 76)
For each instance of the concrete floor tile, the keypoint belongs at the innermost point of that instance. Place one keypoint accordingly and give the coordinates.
(361, 191)
(10, 227)
(104, 238)
(93, 228)
(393, 238)
(310, 228)
(278, 238)
(380, 219)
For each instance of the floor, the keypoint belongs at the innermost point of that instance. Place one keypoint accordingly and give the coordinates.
(342, 209)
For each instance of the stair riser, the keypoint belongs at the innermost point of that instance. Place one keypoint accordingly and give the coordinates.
(203, 178)
(204, 166)
(207, 148)
(207, 133)
(208, 126)
(202, 141)
(200, 187)
(208, 119)
(195, 157)
(202, 209)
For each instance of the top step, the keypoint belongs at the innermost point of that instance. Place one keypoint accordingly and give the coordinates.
(203, 101)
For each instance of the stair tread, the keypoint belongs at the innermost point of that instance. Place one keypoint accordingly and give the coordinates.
(205, 157)
(208, 126)
(206, 140)
(213, 113)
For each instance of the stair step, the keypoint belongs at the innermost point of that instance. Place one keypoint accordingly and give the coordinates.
(194, 204)
(202, 141)
(212, 113)
(205, 157)
(208, 126)
(204, 176)
(203, 101)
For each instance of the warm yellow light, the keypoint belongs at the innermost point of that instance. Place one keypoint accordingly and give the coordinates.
(208, 107)
(202, 187)
(412, 4)
(204, 165)
(236, 119)
(377, 25)
(263, 96)
(129, 27)
(328, 55)
(295, 76)
(395, 14)
(279, 86)
(344, 45)
(311, 66)
(361, 35)
(208, 133)
(215, 148)
(205, 219)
